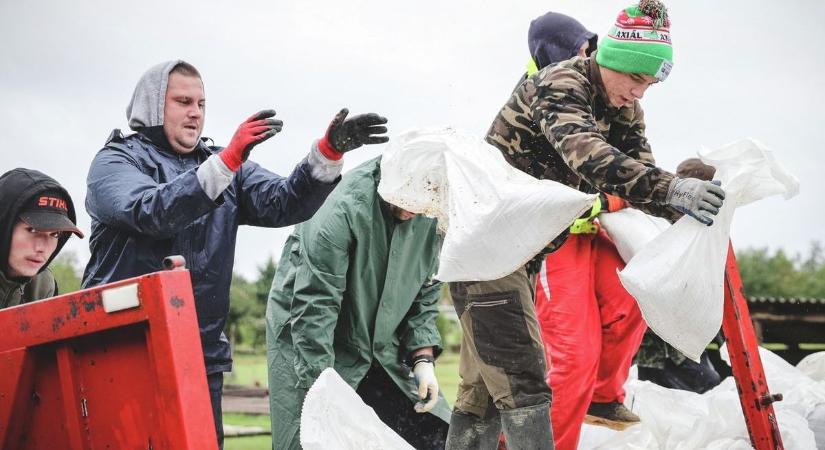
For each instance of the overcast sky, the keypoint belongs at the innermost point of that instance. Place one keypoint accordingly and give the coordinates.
(67, 71)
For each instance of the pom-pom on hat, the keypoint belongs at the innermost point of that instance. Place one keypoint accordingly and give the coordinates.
(639, 41)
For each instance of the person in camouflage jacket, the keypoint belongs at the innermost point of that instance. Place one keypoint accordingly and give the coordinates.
(579, 123)
(558, 125)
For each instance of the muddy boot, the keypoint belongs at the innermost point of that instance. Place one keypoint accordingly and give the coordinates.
(612, 415)
(528, 428)
(470, 432)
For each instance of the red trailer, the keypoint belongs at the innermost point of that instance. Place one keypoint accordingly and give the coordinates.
(118, 366)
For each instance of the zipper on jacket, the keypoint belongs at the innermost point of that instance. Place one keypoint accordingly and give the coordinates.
(486, 304)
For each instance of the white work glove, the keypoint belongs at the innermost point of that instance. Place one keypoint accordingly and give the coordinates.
(424, 372)
(697, 198)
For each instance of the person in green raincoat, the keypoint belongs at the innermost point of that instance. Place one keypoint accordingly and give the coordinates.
(354, 291)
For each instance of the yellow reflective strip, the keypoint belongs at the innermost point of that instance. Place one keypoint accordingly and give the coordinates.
(584, 226)
(532, 68)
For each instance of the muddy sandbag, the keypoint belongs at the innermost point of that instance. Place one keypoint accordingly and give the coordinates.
(495, 217)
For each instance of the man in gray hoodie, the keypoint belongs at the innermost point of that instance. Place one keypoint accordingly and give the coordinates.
(163, 191)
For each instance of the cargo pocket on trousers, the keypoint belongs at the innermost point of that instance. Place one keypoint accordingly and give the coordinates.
(500, 331)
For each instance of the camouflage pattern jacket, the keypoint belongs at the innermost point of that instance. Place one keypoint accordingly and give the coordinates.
(558, 125)
(653, 352)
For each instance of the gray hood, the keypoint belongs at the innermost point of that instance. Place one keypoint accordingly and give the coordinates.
(146, 107)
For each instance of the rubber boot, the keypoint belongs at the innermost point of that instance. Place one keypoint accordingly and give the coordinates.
(527, 428)
(470, 432)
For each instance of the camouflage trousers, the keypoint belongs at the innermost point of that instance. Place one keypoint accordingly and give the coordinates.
(502, 355)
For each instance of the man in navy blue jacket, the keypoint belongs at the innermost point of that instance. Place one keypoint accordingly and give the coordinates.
(162, 191)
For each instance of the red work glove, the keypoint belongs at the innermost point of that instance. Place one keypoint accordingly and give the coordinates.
(252, 132)
(345, 134)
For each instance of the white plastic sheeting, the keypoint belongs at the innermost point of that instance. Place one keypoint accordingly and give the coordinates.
(495, 217)
(678, 277)
(335, 418)
(813, 366)
(681, 420)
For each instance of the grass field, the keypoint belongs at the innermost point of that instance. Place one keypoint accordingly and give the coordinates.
(251, 369)
(247, 443)
(248, 370)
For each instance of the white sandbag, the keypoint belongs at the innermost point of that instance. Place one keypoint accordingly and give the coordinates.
(816, 423)
(593, 436)
(799, 391)
(682, 420)
(803, 395)
(813, 366)
(630, 230)
(335, 418)
(496, 218)
(636, 438)
(678, 278)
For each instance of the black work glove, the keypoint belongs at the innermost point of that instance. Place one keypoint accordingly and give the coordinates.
(345, 134)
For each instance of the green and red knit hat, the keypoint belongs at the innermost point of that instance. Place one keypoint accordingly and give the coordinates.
(639, 42)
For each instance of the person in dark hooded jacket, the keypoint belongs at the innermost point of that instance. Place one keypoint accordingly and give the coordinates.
(163, 191)
(555, 37)
(37, 217)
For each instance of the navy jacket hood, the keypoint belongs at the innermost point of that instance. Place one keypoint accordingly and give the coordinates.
(556, 37)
